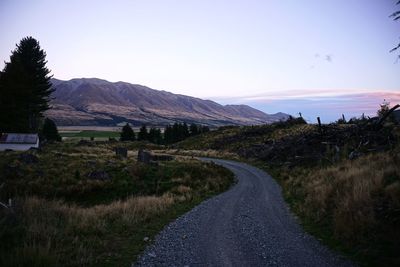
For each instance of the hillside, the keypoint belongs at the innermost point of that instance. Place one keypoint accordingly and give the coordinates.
(99, 102)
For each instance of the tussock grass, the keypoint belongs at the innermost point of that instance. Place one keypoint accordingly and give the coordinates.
(62, 217)
(50, 226)
(357, 202)
(208, 153)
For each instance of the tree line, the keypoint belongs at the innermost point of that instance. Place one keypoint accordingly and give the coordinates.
(172, 133)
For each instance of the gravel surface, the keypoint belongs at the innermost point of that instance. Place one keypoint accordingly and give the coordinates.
(248, 225)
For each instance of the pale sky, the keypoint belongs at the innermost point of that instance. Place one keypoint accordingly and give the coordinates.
(276, 55)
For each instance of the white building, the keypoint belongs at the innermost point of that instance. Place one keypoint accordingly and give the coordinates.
(18, 142)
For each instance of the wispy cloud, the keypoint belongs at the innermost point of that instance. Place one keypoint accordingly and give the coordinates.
(329, 104)
(314, 95)
(328, 58)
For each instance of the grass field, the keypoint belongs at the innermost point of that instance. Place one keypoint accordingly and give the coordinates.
(85, 134)
(81, 205)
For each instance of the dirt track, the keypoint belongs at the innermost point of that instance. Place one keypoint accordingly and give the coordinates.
(249, 225)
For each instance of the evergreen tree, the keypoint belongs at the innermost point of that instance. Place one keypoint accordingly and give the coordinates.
(168, 135)
(50, 131)
(127, 133)
(194, 130)
(175, 133)
(154, 136)
(143, 134)
(25, 88)
(185, 131)
(204, 129)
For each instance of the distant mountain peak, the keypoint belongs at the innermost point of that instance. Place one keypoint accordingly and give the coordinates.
(93, 101)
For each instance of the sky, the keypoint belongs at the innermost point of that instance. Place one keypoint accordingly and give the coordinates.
(321, 58)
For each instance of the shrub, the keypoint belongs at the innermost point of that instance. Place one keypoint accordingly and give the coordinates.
(50, 131)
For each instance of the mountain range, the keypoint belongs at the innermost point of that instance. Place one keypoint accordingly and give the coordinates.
(92, 101)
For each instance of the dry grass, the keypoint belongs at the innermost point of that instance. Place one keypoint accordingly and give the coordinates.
(358, 200)
(52, 226)
(64, 218)
(209, 153)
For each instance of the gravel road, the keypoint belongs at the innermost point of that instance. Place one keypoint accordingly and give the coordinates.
(248, 225)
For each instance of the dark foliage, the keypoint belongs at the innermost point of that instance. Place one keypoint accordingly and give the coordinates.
(25, 88)
(194, 130)
(50, 131)
(154, 136)
(127, 133)
(143, 134)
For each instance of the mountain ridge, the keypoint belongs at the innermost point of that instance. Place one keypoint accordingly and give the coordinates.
(94, 101)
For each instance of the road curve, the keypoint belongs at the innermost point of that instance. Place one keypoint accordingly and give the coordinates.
(248, 225)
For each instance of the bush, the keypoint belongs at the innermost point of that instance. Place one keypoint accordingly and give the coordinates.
(50, 131)
(127, 133)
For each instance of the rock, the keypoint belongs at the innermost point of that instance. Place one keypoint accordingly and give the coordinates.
(144, 156)
(121, 152)
(99, 175)
(149, 158)
(28, 158)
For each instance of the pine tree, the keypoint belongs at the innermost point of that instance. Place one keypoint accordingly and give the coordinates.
(185, 131)
(50, 131)
(175, 133)
(154, 136)
(168, 135)
(143, 134)
(194, 130)
(127, 133)
(25, 88)
(204, 129)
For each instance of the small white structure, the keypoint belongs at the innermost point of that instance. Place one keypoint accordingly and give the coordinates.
(18, 141)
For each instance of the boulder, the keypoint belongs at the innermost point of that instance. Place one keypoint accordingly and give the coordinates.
(121, 152)
(144, 156)
(99, 175)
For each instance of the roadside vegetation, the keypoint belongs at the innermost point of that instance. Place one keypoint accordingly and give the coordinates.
(78, 204)
(341, 179)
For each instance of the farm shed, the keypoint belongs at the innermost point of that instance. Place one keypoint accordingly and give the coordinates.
(18, 141)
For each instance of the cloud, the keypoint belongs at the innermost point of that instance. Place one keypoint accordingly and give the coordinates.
(328, 58)
(317, 94)
(328, 104)
(318, 57)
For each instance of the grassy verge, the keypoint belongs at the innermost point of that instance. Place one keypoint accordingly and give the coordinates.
(64, 216)
(353, 206)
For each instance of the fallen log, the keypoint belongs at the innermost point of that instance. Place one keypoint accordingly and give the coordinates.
(386, 115)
